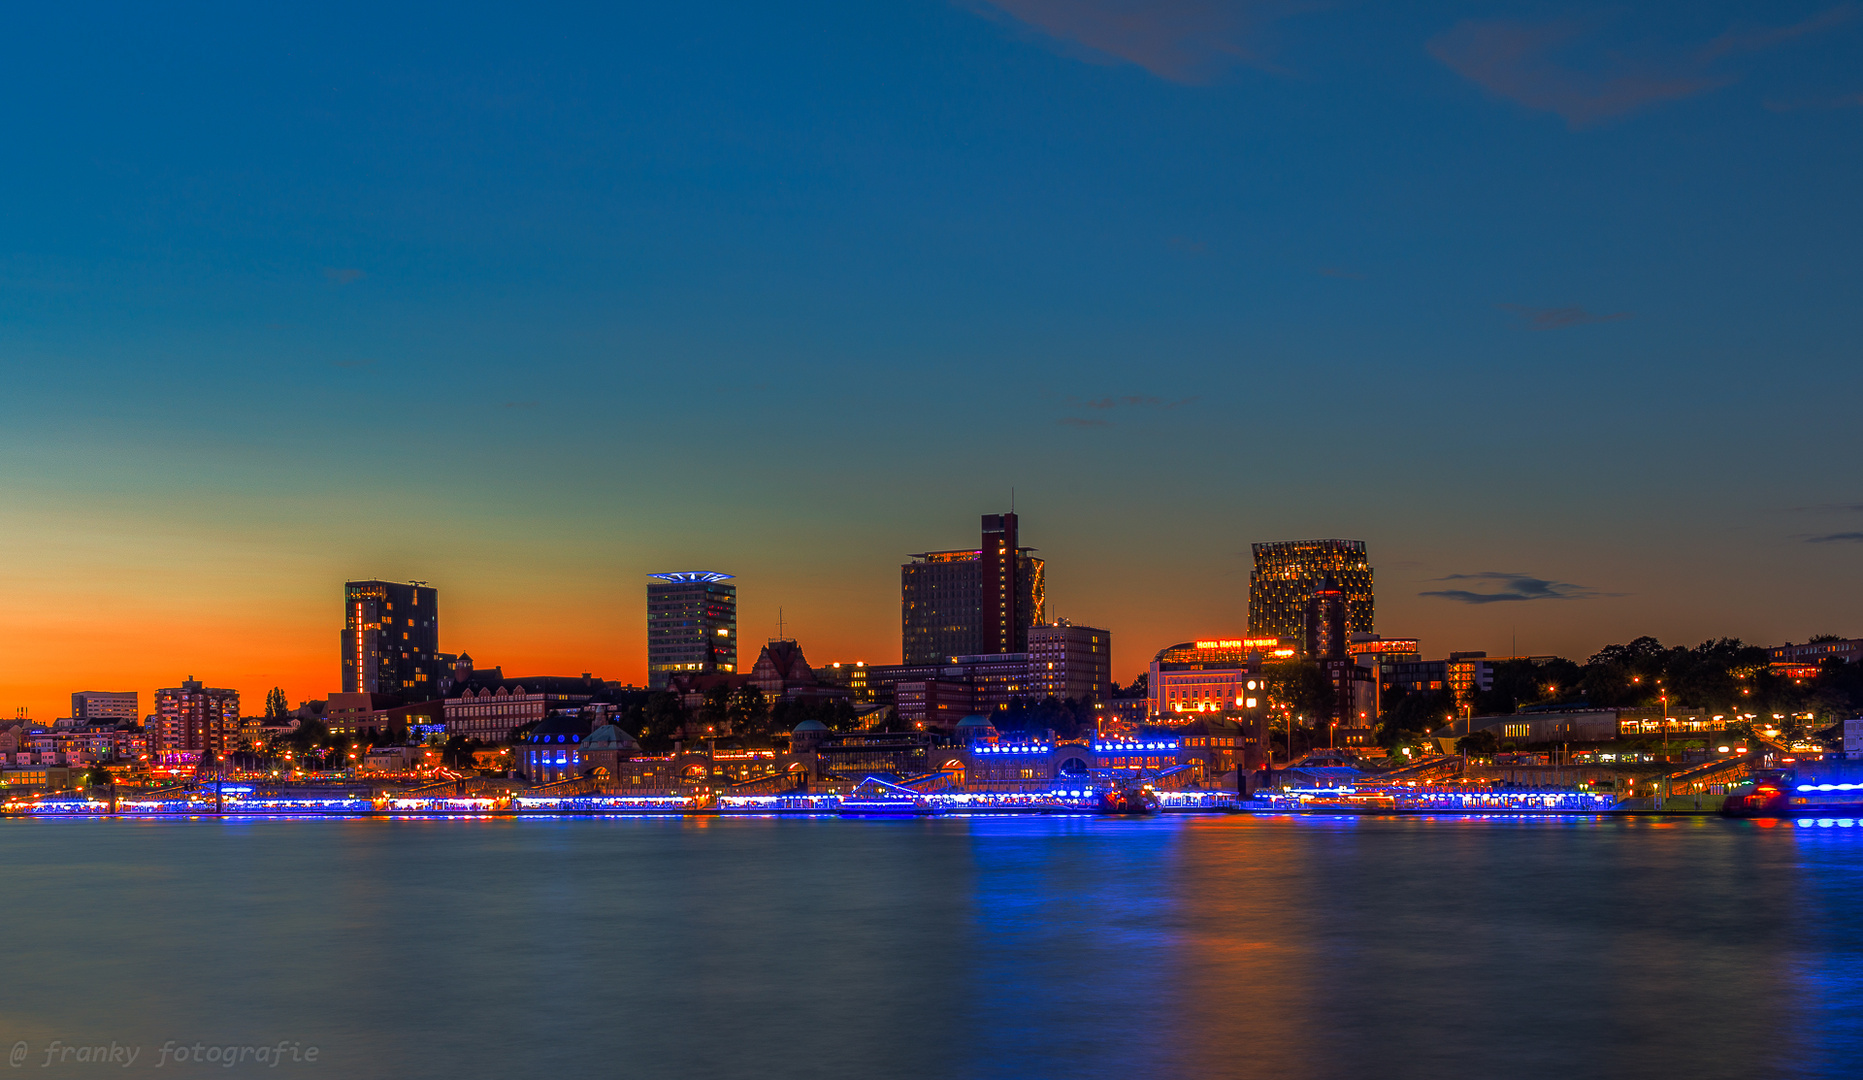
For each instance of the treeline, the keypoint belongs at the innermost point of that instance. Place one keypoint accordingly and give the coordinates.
(1723, 676)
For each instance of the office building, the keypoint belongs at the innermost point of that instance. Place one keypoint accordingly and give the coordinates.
(972, 601)
(854, 676)
(691, 625)
(98, 707)
(192, 719)
(1286, 573)
(391, 640)
(1068, 662)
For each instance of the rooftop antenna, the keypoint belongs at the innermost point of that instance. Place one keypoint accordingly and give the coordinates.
(1012, 500)
(779, 624)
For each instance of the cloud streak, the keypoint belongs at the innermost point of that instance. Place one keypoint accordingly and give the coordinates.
(1556, 66)
(1560, 317)
(1511, 587)
(1182, 41)
(343, 275)
(1836, 538)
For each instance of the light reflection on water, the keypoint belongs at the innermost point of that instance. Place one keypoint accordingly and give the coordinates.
(1006, 947)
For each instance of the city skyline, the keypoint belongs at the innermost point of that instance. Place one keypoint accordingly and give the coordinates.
(1554, 309)
(883, 647)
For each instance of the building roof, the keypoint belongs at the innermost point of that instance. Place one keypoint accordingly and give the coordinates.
(609, 737)
(558, 728)
(810, 725)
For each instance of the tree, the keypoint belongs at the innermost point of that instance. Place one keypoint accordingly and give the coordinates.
(1479, 744)
(458, 751)
(748, 711)
(715, 711)
(1298, 686)
(657, 721)
(277, 709)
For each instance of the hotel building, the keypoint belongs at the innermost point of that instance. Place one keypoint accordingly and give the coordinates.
(691, 625)
(391, 640)
(1286, 575)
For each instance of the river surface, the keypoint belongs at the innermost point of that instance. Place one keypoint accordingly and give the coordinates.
(1020, 948)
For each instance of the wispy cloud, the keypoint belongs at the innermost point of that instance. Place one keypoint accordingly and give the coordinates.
(1842, 101)
(1084, 421)
(1183, 41)
(1836, 538)
(1828, 508)
(1511, 587)
(343, 275)
(1560, 317)
(1559, 66)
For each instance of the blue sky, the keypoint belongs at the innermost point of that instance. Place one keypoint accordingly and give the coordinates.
(530, 300)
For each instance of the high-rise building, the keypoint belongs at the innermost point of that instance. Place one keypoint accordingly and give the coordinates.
(973, 600)
(691, 625)
(192, 718)
(1325, 637)
(105, 707)
(1280, 589)
(391, 640)
(1069, 662)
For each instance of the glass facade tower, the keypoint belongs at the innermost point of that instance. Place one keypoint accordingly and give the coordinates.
(1286, 574)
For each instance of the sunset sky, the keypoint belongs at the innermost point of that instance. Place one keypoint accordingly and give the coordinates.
(1556, 306)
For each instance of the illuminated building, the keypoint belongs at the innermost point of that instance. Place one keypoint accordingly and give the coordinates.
(691, 625)
(105, 707)
(972, 601)
(1067, 662)
(553, 751)
(1801, 661)
(1375, 652)
(933, 703)
(391, 640)
(1469, 673)
(490, 714)
(192, 719)
(854, 676)
(1286, 574)
(1211, 675)
(1326, 622)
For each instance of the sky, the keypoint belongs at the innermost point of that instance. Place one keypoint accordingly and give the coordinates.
(1553, 305)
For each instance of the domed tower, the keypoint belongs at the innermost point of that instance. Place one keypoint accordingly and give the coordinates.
(606, 748)
(976, 729)
(807, 737)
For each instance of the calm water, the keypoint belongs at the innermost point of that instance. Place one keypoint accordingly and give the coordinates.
(1025, 948)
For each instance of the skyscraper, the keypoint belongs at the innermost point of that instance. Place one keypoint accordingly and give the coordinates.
(691, 625)
(1287, 572)
(391, 640)
(972, 601)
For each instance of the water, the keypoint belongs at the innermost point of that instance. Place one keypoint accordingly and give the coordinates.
(1015, 948)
